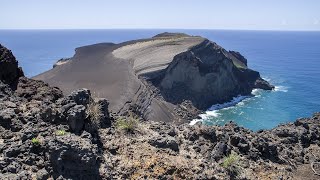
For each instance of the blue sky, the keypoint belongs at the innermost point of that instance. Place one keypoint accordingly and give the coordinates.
(161, 14)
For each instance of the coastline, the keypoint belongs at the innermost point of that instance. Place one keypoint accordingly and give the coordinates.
(210, 116)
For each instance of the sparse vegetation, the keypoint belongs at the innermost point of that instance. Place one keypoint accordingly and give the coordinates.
(35, 141)
(230, 160)
(128, 124)
(231, 163)
(60, 132)
(94, 112)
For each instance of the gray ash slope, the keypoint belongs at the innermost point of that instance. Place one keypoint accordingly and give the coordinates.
(97, 149)
(170, 77)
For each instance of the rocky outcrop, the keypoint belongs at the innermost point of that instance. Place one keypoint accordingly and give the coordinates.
(45, 135)
(9, 70)
(206, 74)
(36, 90)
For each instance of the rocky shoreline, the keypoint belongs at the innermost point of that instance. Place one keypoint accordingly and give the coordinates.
(46, 135)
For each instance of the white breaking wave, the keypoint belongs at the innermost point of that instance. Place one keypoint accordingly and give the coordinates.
(233, 102)
(193, 122)
(256, 92)
(277, 88)
(281, 88)
(213, 110)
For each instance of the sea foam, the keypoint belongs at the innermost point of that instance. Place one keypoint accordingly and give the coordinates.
(213, 110)
(281, 88)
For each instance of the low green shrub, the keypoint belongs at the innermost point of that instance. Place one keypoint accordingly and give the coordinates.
(128, 124)
(60, 132)
(35, 141)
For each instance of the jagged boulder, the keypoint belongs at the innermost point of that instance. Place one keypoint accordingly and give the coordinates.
(164, 142)
(9, 70)
(80, 96)
(74, 157)
(76, 117)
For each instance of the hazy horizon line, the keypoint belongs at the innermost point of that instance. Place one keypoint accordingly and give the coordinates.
(279, 30)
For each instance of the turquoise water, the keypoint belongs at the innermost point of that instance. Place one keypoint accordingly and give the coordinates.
(289, 60)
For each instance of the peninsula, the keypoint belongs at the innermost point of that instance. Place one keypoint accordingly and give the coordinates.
(170, 77)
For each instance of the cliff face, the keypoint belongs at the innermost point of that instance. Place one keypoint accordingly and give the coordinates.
(207, 74)
(45, 135)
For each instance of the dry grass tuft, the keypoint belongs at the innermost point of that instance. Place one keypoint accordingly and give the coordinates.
(94, 112)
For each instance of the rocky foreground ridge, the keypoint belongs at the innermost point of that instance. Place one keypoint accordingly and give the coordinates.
(171, 77)
(46, 135)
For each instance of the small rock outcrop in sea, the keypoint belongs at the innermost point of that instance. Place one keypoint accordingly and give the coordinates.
(46, 135)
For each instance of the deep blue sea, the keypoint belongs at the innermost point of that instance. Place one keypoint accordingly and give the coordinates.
(289, 60)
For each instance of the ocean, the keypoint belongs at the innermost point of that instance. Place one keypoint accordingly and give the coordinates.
(289, 60)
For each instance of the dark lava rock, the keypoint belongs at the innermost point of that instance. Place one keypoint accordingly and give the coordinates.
(105, 120)
(263, 84)
(37, 126)
(164, 142)
(74, 157)
(81, 96)
(9, 70)
(76, 116)
(37, 90)
(220, 151)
